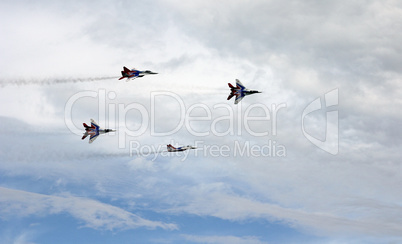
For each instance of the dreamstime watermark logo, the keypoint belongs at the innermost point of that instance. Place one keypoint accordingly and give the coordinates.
(331, 142)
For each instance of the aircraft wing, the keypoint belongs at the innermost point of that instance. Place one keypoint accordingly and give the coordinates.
(131, 78)
(85, 135)
(239, 84)
(93, 137)
(238, 98)
(94, 124)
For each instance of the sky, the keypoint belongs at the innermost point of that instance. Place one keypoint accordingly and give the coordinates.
(314, 158)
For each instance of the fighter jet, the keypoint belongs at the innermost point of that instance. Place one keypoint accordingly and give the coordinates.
(239, 91)
(93, 131)
(132, 74)
(171, 148)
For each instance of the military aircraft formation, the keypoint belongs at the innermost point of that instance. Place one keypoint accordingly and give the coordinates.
(240, 91)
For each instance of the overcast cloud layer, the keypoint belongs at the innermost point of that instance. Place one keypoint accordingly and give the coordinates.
(59, 65)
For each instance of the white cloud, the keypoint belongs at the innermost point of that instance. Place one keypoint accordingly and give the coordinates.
(223, 239)
(24, 238)
(94, 214)
(312, 47)
(292, 51)
(231, 207)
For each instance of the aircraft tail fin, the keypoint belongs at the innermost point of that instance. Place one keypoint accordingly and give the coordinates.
(170, 147)
(230, 96)
(230, 85)
(87, 127)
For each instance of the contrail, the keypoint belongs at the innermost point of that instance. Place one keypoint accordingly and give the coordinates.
(120, 154)
(84, 79)
(133, 154)
(51, 81)
(144, 154)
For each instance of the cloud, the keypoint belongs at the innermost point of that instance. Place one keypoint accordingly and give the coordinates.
(231, 188)
(223, 239)
(232, 207)
(311, 47)
(24, 237)
(293, 51)
(94, 214)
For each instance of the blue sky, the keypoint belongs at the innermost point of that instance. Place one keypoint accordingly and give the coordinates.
(315, 158)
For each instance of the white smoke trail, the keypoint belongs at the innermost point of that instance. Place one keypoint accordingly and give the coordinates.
(52, 81)
(117, 154)
(145, 154)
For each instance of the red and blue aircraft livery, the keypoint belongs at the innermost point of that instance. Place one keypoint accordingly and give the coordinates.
(93, 131)
(171, 148)
(240, 91)
(133, 73)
